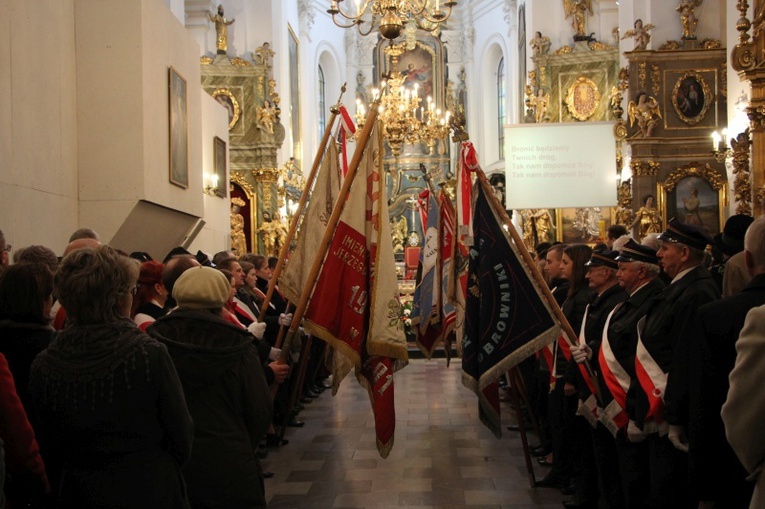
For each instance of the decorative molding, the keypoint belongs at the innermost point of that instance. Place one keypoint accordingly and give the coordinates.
(644, 168)
(695, 169)
(238, 62)
(742, 176)
(671, 46)
(510, 10)
(582, 98)
(205, 60)
(564, 50)
(642, 75)
(307, 17)
(655, 80)
(601, 46)
(239, 179)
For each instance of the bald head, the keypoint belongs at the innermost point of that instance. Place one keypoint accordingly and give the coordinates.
(81, 244)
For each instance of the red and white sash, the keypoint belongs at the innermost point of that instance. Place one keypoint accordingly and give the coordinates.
(244, 310)
(142, 320)
(589, 407)
(654, 383)
(614, 416)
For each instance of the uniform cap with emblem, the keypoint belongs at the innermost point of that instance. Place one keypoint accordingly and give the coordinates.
(202, 288)
(634, 252)
(688, 234)
(603, 259)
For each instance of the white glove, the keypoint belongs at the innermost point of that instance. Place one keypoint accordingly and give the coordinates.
(257, 329)
(634, 434)
(581, 353)
(274, 353)
(678, 438)
(285, 319)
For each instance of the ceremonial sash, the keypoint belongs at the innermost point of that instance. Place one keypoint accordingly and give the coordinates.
(143, 320)
(654, 382)
(244, 310)
(548, 354)
(614, 416)
(59, 315)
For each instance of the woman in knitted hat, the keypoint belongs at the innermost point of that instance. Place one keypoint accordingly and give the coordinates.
(149, 300)
(107, 396)
(225, 389)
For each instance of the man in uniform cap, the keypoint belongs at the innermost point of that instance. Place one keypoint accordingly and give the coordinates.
(666, 350)
(595, 453)
(731, 243)
(638, 275)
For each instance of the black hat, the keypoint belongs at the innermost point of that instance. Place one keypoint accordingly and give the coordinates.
(603, 259)
(688, 234)
(731, 240)
(634, 252)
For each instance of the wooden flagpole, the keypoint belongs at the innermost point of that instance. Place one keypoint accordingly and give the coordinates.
(332, 223)
(301, 205)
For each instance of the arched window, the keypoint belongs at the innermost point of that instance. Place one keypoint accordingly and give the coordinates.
(501, 107)
(322, 103)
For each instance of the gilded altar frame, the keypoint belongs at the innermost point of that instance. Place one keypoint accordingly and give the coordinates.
(690, 108)
(228, 100)
(711, 189)
(252, 200)
(582, 98)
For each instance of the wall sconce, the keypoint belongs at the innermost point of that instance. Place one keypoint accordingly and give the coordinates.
(721, 146)
(211, 188)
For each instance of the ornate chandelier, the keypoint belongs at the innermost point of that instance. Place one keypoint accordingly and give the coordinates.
(392, 15)
(403, 119)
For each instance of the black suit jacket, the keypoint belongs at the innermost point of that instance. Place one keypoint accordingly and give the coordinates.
(716, 473)
(668, 337)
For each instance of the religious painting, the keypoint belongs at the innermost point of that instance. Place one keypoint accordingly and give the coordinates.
(582, 98)
(243, 190)
(225, 98)
(294, 104)
(179, 130)
(421, 64)
(691, 97)
(695, 194)
(583, 225)
(219, 154)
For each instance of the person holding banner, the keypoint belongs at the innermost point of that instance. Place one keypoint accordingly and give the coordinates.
(596, 452)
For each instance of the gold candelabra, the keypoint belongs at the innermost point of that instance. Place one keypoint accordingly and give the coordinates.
(403, 119)
(391, 16)
(720, 143)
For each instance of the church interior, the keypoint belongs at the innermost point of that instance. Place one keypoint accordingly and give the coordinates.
(112, 118)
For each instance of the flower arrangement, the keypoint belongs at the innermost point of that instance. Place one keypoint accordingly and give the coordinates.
(406, 312)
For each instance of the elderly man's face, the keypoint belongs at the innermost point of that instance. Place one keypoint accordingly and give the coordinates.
(672, 256)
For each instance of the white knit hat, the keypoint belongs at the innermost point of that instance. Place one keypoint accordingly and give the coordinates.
(201, 287)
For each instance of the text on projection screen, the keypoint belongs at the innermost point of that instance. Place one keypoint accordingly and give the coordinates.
(560, 165)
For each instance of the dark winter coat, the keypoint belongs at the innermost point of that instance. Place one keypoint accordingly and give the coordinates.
(229, 400)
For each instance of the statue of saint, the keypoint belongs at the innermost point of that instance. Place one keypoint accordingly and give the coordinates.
(646, 112)
(541, 100)
(624, 209)
(540, 44)
(641, 34)
(221, 30)
(272, 233)
(266, 117)
(543, 223)
(238, 238)
(647, 218)
(577, 10)
(688, 17)
(398, 234)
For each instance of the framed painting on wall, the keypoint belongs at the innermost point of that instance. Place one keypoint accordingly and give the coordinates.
(179, 130)
(695, 194)
(421, 64)
(219, 153)
(294, 62)
(583, 225)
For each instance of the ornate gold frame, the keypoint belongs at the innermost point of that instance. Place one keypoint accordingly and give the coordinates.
(703, 171)
(239, 179)
(606, 212)
(234, 102)
(708, 97)
(579, 111)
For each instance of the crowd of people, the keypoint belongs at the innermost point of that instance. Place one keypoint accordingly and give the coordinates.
(649, 406)
(130, 382)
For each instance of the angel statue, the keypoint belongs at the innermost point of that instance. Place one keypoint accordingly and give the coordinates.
(688, 17)
(646, 111)
(540, 44)
(266, 117)
(641, 33)
(540, 102)
(577, 10)
(398, 234)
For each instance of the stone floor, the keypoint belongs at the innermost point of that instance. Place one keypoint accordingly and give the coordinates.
(443, 457)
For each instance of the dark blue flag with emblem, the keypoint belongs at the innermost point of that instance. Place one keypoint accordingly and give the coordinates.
(506, 317)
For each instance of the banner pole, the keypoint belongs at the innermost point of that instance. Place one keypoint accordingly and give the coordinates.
(334, 219)
(301, 205)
